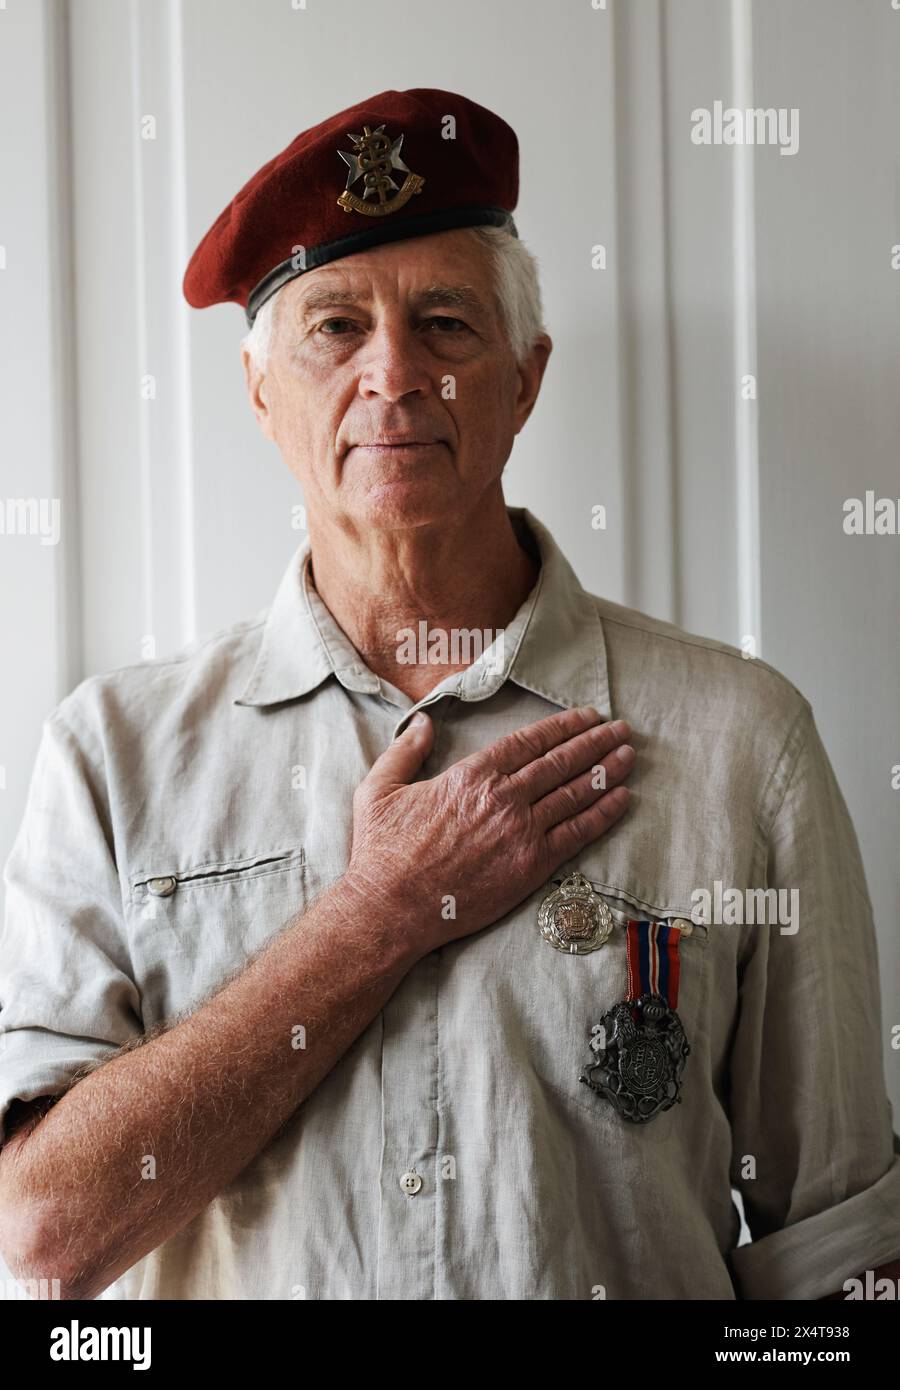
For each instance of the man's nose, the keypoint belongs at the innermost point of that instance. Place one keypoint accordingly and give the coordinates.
(395, 364)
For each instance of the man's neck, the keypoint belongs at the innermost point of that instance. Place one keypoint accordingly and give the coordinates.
(470, 573)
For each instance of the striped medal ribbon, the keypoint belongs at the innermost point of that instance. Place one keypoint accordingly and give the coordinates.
(654, 965)
(638, 1050)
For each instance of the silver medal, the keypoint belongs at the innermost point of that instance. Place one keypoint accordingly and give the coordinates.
(573, 918)
(639, 1051)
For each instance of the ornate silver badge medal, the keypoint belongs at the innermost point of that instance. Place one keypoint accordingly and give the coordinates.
(573, 918)
(639, 1048)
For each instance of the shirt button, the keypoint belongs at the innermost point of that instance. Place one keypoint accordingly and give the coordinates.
(161, 887)
(411, 1183)
(684, 925)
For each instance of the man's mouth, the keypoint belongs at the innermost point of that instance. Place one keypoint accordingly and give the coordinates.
(397, 446)
(399, 441)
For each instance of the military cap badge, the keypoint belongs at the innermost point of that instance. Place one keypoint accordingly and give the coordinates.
(375, 156)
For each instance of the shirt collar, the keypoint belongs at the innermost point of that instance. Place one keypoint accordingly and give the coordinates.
(554, 646)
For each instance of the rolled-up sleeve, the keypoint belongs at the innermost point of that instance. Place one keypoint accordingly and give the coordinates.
(67, 994)
(815, 1157)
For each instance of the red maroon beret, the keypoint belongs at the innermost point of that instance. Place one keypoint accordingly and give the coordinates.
(380, 171)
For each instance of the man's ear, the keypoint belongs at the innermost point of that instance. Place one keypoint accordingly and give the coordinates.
(531, 373)
(256, 384)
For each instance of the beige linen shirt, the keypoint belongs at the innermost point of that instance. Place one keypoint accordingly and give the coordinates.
(181, 811)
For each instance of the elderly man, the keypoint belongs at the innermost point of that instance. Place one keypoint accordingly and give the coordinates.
(310, 993)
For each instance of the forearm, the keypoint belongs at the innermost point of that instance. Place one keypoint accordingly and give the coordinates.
(889, 1271)
(200, 1099)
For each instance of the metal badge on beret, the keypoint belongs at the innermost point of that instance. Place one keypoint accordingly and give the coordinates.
(374, 158)
(573, 918)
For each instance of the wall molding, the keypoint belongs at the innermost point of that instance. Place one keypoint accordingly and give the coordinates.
(746, 415)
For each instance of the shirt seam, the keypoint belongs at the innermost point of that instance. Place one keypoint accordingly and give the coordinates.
(702, 644)
(231, 631)
(439, 1208)
(98, 770)
(804, 715)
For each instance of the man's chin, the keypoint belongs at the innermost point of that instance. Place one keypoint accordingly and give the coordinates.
(403, 503)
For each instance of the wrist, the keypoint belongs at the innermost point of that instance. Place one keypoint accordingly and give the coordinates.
(393, 925)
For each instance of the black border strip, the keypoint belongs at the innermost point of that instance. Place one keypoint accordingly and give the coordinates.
(423, 225)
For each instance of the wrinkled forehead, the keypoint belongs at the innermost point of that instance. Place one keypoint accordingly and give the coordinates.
(448, 270)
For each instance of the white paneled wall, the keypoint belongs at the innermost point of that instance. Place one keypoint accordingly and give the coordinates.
(40, 609)
(128, 124)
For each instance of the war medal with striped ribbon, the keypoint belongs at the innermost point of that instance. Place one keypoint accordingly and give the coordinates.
(639, 1048)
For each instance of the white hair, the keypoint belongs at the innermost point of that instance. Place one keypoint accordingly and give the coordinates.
(258, 340)
(516, 284)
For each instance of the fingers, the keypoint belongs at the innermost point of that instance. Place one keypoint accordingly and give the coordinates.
(571, 836)
(516, 750)
(582, 791)
(563, 762)
(402, 759)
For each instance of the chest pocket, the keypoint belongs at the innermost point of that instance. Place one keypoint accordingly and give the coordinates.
(192, 926)
(580, 989)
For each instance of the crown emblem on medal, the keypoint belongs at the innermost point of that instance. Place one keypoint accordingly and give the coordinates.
(375, 156)
(638, 1056)
(574, 918)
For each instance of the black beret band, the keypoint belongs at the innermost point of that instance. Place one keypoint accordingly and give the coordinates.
(446, 220)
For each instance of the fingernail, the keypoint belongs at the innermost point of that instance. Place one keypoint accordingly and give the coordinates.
(620, 727)
(625, 753)
(418, 720)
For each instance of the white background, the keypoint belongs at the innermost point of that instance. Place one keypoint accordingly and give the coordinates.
(723, 515)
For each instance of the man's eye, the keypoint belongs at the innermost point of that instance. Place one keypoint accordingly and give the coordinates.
(326, 325)
(444, 320)
(446, 326)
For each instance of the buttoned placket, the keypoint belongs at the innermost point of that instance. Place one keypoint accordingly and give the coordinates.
(409, 1171)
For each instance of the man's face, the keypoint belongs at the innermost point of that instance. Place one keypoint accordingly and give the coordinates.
(390, 388)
